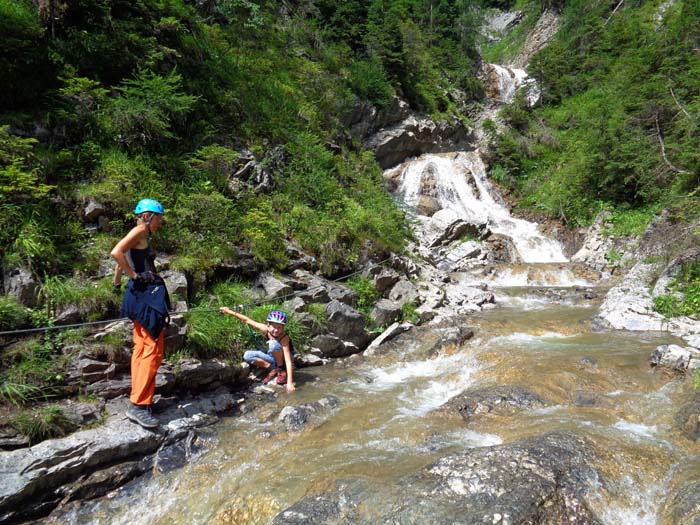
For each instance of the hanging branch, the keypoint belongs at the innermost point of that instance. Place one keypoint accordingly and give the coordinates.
(663, 147)
(679, 105)
(614, 11)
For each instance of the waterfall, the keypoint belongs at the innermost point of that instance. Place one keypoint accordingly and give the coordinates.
(509, 80)
(458, 182)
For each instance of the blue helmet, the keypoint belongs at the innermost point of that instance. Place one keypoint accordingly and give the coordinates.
(151, 205)
(275, 316)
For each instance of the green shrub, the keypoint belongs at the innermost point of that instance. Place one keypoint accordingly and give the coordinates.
(212, 165)
(12, 314)
(45, 423)
(93, 299)
(201, 229)
(409, 313)
(145, 110)
(685, 296)
(318, 314)
(36, 361)
(367, 294)
(369, 80)
(626, 221)
(120, 181)
(18, 394)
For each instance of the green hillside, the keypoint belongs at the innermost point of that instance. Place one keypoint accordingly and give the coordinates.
(617, 124)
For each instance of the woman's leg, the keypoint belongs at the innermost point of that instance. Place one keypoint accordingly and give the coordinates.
(147, 357)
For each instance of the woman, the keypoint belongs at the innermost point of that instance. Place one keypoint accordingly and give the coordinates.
(146, 303)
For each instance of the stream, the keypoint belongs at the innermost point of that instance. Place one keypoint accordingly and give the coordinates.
(386, 425)
(382, 421)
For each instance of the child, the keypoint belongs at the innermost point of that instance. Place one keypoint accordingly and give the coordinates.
(280, 348)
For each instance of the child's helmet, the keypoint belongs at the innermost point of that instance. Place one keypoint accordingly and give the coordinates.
(275, 316)
(151, 205)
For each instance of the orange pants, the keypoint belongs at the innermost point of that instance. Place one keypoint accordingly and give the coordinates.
(145, 360)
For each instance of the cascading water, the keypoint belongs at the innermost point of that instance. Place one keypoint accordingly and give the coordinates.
(512, 79)
(459, 183)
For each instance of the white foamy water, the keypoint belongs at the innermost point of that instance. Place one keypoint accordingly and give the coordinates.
(637, 429)
(458, 182)
(523, 339)
(510, 80)
(543, 275)
(452, 375)
(638, 509)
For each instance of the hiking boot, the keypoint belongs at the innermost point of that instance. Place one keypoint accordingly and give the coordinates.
(282, 378)
(270, 376)
(141, 415)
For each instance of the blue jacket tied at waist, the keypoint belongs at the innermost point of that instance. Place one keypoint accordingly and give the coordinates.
(148, 304)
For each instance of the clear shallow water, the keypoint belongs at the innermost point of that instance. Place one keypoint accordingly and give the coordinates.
(387, 427)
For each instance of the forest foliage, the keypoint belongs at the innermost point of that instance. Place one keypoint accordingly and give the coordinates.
(113, 100)
(617, 123)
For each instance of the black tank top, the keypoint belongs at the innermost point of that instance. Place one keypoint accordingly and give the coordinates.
(143, 259)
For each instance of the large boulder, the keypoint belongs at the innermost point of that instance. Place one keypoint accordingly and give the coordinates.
(415, 136)
(22, 285)
(542, 480)
(503, 399)
(36, 474)
(346, 323)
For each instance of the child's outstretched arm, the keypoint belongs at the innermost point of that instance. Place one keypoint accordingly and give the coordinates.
(289, 364)
(244, 319)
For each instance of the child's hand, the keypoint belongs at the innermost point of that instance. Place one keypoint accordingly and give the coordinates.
(290, 387)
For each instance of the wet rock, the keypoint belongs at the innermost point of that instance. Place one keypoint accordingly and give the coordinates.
(102, 481)
(683, 506)
(273, 287)
(541, 480)
(450, 336)
(687, 420)
(176, 283)
(307, 360)
(504, 399)
(294, 418)
(35, 474)
(384, 278)
(329, 508)
(392, 331)
(346, 323)
(403, 292)
(584, 398)
(329, 345)
(93, 210)
(588, 362)
(110, 388)
(675, 357)
(11, 439)
(415, 136)
(342, 294)
(546, 27)
(629, 305)
(207, 374)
